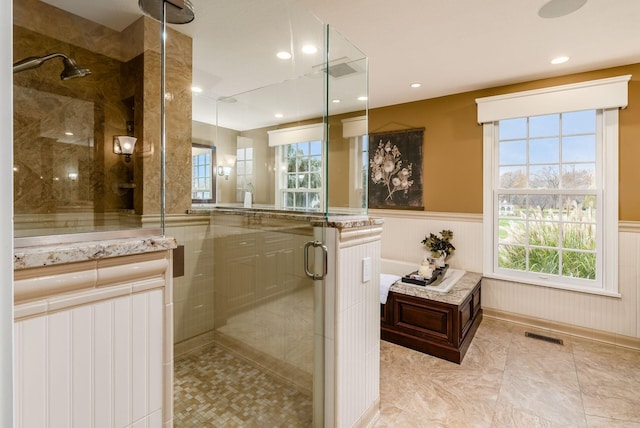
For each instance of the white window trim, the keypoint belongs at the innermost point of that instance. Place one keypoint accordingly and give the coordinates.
(281, 173)
(489, 114)
(355, 129)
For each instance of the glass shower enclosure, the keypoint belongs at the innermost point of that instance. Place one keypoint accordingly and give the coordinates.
(284, 156)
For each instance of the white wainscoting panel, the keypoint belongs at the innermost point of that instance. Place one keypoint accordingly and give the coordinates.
(403, 231)
(357, 331)
(92, 366)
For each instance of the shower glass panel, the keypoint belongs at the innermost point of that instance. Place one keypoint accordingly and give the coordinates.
(79, 102)
(249, 322)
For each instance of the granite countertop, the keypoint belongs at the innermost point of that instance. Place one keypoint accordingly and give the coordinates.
(340, 221)
(455, 296)
(48, 255)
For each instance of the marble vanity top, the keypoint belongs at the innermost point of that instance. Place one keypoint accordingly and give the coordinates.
(47, 255)
(455, 296)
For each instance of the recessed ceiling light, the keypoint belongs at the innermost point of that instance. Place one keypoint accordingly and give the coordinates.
(278, 115)
(558, 8)
(69, 133)
(416, 85)
(196, 89)
(362, 98)
(309, 49)
(283, 55)
(336, 101)
(560, 60)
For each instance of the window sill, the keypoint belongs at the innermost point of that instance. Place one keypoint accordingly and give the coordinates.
(597, 291)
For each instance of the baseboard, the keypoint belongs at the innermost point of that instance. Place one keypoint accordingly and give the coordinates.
(566, 329)
(370, 416)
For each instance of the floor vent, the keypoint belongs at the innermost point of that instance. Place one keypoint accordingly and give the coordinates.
(545, 338)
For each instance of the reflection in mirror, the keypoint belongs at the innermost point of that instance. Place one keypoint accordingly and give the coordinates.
(203, 175)
(300, 143)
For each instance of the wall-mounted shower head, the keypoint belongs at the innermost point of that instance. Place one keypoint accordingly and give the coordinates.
(178, 11)
(71, 68)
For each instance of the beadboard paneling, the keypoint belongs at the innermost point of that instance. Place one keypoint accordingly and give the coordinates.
(92, 366)
(357, 335)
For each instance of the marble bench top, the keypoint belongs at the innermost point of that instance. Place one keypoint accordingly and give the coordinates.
(455, 296)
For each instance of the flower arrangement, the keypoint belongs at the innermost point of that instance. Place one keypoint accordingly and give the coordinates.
(439, 246)
(386, 168)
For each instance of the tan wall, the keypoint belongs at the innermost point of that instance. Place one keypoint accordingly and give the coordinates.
(453, 142)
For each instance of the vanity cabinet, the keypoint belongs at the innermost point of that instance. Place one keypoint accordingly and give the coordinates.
(442, 325)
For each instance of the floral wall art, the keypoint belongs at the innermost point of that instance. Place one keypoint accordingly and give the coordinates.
(395, 169)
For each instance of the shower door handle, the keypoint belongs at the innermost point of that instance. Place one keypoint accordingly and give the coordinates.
(312, 275)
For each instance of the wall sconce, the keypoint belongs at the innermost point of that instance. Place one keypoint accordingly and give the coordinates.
(228, 161)
(124, 145)
(73, 176)
(224, 170)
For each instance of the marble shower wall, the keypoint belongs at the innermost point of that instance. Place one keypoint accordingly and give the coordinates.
(76, 183)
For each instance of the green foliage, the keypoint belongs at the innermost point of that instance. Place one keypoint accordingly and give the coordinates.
(439, 244)
(541, 231)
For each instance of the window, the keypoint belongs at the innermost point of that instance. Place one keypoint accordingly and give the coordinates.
(547, 196)
(302, 176)
(550, 188)
(244, 172)
(203, 188)
(299, 166)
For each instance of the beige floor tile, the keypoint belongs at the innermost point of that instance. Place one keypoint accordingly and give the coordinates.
(507, 416)
(547, 399)
(599, 422)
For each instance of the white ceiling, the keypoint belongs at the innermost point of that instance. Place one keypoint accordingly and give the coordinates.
(449, 46)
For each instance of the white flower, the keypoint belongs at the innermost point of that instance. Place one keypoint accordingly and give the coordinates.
(377, 159)
(396, 181)
(389, 165)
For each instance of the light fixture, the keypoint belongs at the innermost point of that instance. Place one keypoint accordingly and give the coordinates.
(73, 176)
(283, 55)
(559, 60)
(196, 89)
(278, 115)
(124, 145)
(68, 133)
(363, 98)
(309, 49)
(336, 101)
(416, 85)
(557, 8)
(224, 169)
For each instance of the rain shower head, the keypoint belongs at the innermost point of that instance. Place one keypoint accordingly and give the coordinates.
(71, 68)
(178, 11)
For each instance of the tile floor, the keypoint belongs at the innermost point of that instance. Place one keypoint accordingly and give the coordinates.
(509, 380)
(505, 380)
(214, 387)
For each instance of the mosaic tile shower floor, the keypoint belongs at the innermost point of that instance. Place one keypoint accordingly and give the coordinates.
(214, 387)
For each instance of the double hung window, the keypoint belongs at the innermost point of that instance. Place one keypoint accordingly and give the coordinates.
(551, 185)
